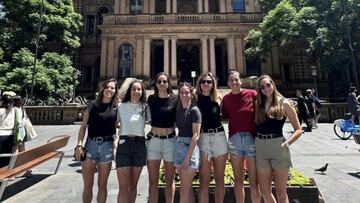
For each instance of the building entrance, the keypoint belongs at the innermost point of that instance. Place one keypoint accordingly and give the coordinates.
(187, 59)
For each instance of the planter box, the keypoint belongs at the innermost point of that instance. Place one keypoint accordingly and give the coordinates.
(303, 194)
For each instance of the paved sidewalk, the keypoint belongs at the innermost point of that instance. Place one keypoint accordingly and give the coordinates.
(340, 184)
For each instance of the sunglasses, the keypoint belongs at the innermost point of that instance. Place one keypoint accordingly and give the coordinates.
(206, 82)
(159, 82)
(267, 85)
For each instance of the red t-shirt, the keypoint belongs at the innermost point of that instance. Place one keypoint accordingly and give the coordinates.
(239, 109)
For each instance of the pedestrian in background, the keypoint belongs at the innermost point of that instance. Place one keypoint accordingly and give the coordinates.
(187, 153)
(99, 119)
(353, 104)
(238, 107)
(213, 141)
(311, 106)
(272, 148)
(133, 113)
(317, 107)
(8, 124)
(303, 114)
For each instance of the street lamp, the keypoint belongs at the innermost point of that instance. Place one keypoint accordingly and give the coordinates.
(36, 49)
(314, 74)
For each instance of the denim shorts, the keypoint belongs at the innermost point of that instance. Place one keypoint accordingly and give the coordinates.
(270, 154)
(181, 147)
(101, 152)
(242, 144)
(213, 144)
(158, 149)
(131, 151)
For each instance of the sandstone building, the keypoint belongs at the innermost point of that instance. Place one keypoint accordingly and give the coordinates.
(139, 38)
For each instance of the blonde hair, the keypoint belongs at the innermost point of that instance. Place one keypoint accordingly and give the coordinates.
(274, 110)
(214, 94)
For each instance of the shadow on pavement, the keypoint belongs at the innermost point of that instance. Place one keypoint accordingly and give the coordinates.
(355, 174)
(17, 186)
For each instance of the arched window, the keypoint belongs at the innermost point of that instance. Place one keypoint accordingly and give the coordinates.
(125, 60)
(238, 5)
(135, 6)
(100, 16)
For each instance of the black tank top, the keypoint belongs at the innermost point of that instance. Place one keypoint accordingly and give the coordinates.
(271, 126)
(102, 120)
(210, 112)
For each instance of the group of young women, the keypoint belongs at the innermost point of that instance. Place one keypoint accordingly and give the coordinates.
(256, 118)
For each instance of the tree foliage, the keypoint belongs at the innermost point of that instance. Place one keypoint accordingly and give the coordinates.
(54, 73)
(53, 78)
(318, 26)
(59, 24)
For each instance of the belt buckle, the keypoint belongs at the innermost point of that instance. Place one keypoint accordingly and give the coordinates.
(211, 131)
(99, 139)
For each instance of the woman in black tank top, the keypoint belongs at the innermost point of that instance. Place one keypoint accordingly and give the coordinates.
(272, 149)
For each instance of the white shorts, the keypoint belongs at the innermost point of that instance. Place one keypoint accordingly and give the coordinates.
(213, 144)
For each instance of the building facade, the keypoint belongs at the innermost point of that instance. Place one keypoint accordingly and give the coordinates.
(139, 38)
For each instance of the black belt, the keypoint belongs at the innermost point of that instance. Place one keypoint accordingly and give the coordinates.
(268, 136)
(150, 134)
(102, 139)
(214, 130)
(135, 138)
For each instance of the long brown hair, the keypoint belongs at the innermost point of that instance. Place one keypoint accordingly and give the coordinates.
(214, 94)
(274, 110)
(115, 99)
(193, 96)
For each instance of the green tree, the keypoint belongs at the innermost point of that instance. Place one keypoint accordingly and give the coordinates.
(60, 26)
(54, 75)
(323, 28)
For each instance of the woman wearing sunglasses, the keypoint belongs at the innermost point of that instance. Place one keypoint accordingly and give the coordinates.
(272, 148)
(161, 137)
(238, 107)
(213, 142)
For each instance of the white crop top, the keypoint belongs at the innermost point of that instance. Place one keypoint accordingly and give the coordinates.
(132, 118)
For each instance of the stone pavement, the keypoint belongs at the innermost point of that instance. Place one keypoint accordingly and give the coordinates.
(341, 183)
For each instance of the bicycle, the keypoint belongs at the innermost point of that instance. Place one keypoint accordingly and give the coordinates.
(344, 128)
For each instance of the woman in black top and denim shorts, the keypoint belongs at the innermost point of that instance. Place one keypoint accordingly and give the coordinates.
(161, 137)
(213, 143)
(100, 119)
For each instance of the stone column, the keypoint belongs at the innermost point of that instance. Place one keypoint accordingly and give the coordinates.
(204, 54)
(122, 6)
(200, 6)
(222, 6)
(174, 6)
(229, 6)
(173, 56)
(212, 55)
(206, 6)
(166, 54)
(145, 6)
(231, 52)
(138, 67)
(239, 51)
(110, 58)
(151, 6)
(103, 65)
(147, 56)
(117, 7)
(168, 6)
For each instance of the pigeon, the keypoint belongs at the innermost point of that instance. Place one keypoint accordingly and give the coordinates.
(322, 169)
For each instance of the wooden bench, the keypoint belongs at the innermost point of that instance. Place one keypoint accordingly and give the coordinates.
(25, 160)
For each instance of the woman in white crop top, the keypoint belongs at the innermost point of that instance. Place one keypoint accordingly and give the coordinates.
(133, 112)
